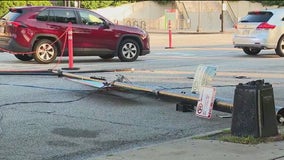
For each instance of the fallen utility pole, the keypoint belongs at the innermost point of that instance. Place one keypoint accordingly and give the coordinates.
(51, 71)
(220, 104)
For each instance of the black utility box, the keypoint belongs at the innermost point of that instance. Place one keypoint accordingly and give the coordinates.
(254, 110)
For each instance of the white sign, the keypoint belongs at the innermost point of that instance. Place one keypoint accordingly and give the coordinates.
(206, 101)
(203, 75)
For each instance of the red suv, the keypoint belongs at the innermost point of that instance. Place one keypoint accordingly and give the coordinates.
(36, 32)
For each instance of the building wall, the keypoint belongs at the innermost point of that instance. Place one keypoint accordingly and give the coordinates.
(203, 16)
(139, 14)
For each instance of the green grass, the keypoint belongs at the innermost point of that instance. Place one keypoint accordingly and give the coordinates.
(242, 140)
(226, 136)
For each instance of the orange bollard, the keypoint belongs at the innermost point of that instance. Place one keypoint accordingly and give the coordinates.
(170, 35)
(70, 45)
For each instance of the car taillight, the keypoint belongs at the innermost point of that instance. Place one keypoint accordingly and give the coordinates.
(236, 26)
(17, 24)
(265, 25)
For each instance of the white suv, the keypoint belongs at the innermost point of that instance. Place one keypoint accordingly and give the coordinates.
(261, 30)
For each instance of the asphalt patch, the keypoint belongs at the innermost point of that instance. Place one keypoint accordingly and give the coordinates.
(75, 133)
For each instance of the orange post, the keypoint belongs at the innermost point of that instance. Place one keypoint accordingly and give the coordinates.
(170, 35)
(70, 45)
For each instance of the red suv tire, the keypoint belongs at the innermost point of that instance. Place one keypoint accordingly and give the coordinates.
(128, 50)
(45, 51)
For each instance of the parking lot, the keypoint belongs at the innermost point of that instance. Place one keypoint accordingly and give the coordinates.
(51, 118)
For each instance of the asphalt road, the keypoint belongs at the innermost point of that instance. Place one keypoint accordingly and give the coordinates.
(46, 117)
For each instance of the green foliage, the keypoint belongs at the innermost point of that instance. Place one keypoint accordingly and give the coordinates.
(5, 5)
(117, 3)
(101, 4)
(270, 3)
(39, 3)
(88, 4)
(163, 2)
(226, 136)
(58, 3)
(242, 140)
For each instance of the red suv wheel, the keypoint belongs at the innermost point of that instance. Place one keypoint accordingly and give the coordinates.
(129, 50)
(45, 51)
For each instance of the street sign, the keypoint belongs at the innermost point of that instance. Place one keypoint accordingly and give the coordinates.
(170, 14)
(203, 75)
(206, 101)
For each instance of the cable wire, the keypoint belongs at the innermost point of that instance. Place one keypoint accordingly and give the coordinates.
(35, 102)
(40, 87)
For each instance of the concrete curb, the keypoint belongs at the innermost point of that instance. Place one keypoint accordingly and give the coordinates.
(190, 148)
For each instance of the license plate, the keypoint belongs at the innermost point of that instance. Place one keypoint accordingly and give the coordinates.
(245, 32)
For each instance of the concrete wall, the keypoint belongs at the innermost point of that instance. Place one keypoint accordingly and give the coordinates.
(204, 16)
(147, 13)
(150, 15)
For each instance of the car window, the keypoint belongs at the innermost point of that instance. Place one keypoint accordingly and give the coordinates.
(43, 16)
(257, 17)
(89, 18)
(62, 16)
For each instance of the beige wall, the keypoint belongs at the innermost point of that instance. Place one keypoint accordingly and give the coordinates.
(147, 10)
(150, 15)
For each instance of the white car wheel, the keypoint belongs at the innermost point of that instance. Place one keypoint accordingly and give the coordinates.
(280, 47)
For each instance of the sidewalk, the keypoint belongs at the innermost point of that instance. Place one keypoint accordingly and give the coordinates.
(197, 149)
(231, 31)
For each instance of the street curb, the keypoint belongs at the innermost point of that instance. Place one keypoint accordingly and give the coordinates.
(187, 32)
(208, 133)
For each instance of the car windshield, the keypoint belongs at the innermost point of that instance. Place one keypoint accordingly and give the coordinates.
(257, 17)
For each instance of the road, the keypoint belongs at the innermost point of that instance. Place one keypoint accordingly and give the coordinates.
(46, 117)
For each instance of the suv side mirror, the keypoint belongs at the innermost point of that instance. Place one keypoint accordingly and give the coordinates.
(105, 23)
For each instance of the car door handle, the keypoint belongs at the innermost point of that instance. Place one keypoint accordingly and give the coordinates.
(53, 26)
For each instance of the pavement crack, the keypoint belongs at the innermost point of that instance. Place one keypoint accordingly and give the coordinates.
(53, 113)
(280, 157)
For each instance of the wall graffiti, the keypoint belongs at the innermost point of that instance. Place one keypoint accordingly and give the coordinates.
(135, 22)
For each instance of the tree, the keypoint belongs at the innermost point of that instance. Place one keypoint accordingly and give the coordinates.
(101, 3)
(5, 5)
(270, 3)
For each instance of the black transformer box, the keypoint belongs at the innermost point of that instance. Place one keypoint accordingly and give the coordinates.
(254, 110)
